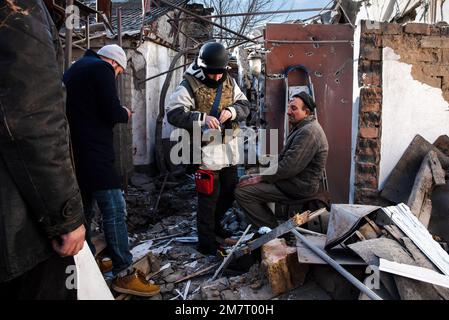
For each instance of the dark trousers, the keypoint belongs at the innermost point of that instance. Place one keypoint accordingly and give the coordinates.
(253, 200)
(52, 279)
(211, 208)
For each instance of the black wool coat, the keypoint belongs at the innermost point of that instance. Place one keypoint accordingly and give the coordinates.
(93, 108)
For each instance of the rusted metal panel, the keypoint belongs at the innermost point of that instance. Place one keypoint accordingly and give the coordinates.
(105, 6)
(330, 63)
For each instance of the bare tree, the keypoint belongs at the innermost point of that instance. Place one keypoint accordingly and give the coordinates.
(240, 24)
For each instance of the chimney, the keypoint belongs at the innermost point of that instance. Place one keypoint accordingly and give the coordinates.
(105, 6)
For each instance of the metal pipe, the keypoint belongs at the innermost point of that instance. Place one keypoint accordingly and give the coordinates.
(229, 256)
(260, 13)
(84, 40)
(144, 13)
(121, 95)
(165, 72)
(344, 12)
(88, 33)
(308, 41)
(186, 64)
(372, 295)
(119, 26)
(306, 231)
(205, 20)
(68, 37)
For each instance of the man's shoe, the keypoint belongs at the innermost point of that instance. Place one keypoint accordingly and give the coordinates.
(105, 264)
(135, 284)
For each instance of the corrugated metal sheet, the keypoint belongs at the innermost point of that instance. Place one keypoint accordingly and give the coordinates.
(132, 14)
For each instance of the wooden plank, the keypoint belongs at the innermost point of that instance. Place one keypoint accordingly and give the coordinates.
(198, 273)
(438, 173)
(296, 221)
(400, 182)
(442, 143)
(281, 266)
(395, 232)
(414, 272)
(414, 229)
(429, 173)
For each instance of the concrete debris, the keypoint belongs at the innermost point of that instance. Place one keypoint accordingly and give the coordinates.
(164, 246)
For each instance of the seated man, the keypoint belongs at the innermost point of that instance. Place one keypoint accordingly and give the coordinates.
(300, 166)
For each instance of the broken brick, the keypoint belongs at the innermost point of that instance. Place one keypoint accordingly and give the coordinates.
(445, 56)
(434, 42)
(369, 119)
(371, 52)
(370, 95)
(391, 28)
(371, 79)
(417, 28)
(370, 107)
(435, 70)
(366, 180)
(367, 168)
(369, 133)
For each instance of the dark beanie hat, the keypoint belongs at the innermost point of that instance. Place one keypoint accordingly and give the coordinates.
(307, 99)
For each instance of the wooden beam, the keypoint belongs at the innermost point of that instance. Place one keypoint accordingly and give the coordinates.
(430, 173)
(281, 265)
(400, 182)
(414, 272)
(198, 273)
(296, 221)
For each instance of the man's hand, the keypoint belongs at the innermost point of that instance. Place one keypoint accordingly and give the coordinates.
(225, 115)
(212, 122)
(249, 181)
(128, 111)
(71, 243)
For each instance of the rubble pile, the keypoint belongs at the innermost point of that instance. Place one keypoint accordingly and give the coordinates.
(398, 251)
(144, 195)
(394, 251)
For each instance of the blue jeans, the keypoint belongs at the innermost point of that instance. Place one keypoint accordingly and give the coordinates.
(113, 210)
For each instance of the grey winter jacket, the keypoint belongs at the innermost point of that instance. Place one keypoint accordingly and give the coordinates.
(39, 195)
(302, 160)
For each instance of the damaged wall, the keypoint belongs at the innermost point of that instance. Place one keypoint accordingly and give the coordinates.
(404, 91)
(421, 110)
(154, 59)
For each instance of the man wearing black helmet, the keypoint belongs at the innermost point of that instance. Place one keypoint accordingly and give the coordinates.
(300, 166)
(210, 98)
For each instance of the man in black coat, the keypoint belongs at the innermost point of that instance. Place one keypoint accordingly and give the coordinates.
(93, 108)
(41, 215)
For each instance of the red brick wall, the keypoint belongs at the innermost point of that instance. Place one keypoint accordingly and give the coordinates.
(426, 48)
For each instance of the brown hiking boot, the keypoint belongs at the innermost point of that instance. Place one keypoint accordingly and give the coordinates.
(135, 284)
(105, 264)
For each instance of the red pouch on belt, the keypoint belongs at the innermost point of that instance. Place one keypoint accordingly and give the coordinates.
(204, 181)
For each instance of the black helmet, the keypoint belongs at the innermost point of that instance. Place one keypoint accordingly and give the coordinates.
(213, 58)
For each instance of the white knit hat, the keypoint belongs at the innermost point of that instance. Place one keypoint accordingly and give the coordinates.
(115, 53)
